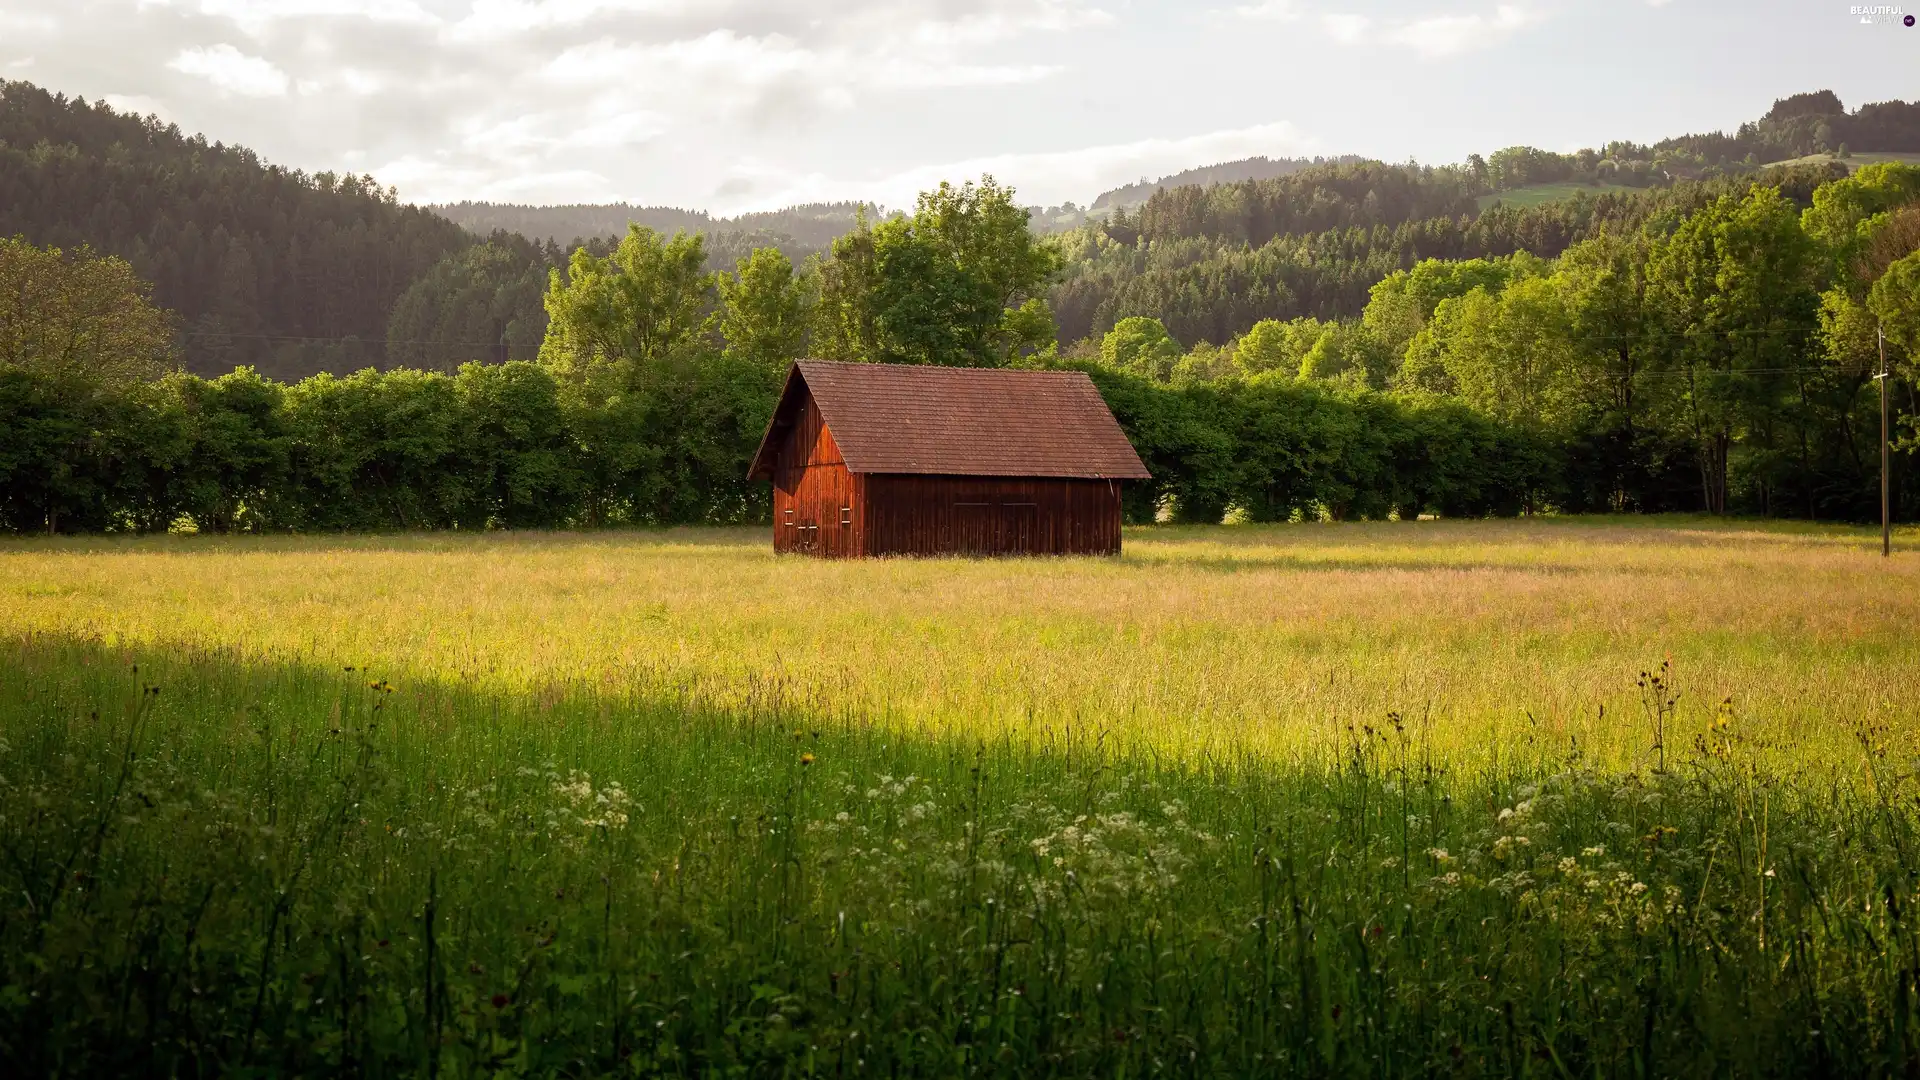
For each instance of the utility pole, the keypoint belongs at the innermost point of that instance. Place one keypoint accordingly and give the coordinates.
(1886, 503)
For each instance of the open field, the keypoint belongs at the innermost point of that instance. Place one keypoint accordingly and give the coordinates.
(663, 804)
(1537, 194)
(1853, 162)
(1489, 635)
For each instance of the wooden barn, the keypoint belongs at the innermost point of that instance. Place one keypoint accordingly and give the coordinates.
(896, 459)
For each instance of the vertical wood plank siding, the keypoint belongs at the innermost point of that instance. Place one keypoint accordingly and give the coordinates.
(822, 508)
(816, 504)
(991, 515)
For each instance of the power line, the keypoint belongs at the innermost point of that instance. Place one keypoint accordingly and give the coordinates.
(343, 338)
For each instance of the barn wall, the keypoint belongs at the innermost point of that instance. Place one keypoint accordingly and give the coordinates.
(955, 515)
(816, 501)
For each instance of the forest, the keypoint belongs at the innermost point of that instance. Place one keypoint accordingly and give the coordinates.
(192, 336)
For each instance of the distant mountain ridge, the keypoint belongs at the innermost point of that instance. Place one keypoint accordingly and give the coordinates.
(1796, 126)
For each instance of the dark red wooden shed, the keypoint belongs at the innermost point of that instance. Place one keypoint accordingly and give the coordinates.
(897, 459)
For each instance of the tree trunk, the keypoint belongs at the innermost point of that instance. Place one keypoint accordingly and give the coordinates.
(1713, 471)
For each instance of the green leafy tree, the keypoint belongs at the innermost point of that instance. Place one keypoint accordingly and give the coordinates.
(928, 308)
(1845, 214)
(1141, 346)
(1402, 303)
(375, 451)
(959, 282)
(987, 235)
(85, 445)
(512, 448)
(1603, 284)
(1736, 287)
(1273, 345)
(845, 325)
(235, 473)
(764, 317)
(1895, 304)
(80, 317)
(649, 298)
(1509, 354)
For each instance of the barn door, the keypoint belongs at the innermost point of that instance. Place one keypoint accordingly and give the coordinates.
(995, 525)
(973, 526)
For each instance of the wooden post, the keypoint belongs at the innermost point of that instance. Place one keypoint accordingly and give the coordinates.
(1886, 486)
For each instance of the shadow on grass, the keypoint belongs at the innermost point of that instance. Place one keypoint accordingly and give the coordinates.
(215, 866)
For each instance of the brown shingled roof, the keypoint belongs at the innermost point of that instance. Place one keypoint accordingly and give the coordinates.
(906, 418)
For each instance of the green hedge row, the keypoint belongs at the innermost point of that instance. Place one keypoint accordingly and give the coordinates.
(1275, 447)
(507, 446)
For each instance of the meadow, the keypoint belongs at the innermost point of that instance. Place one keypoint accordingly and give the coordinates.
(1853, 162)
(1584, 796)
(1541, 194)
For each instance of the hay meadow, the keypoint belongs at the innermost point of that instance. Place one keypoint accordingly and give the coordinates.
(1553, 797)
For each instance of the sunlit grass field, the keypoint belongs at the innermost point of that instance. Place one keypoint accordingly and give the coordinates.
(1510, 637)
(1551, 798)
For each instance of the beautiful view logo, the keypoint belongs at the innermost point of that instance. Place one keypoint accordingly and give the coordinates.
(1872, 14)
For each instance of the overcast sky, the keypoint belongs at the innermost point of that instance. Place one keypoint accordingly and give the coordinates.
(732, 105)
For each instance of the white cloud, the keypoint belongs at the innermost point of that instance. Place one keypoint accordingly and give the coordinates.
(1444, 35)
(255, 17)
(1346, 29)
(232, 71)
(647, 100)
(137, 104)
(24, 22)
(1269, 11)
(1433, 35)
(498, 17)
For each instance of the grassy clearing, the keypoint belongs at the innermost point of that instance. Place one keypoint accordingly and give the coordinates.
(1853, 162)
(588, 805)
(1539, 194)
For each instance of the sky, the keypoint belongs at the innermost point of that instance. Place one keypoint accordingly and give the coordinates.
(737, 105)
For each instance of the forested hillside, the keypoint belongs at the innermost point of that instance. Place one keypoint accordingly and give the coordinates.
(799, 231)
(1210, 262)
(1227, 172)
(296, 274)
(262, 265)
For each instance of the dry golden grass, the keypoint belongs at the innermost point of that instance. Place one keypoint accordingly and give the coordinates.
(1515, 637)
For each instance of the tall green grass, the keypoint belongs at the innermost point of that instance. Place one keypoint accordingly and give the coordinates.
(214, 865)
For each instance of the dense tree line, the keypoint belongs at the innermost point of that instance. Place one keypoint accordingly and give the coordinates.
(521, 445)
(1720, 357)
(653, 382)
(1703, 344)
(640, 427)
